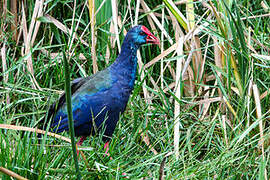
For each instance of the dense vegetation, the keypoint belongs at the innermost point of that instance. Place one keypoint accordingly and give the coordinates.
(200, 108)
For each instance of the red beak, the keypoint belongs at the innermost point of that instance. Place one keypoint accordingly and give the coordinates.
(150, 37)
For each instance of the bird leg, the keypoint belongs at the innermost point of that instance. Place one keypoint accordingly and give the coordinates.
(80, 143)
(106, 147)
(81, 140)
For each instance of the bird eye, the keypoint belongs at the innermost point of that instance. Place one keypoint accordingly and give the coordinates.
(142, 33)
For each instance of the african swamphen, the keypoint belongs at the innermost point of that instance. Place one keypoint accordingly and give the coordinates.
(98, 100)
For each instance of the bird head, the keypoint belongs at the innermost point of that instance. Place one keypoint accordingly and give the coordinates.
(141, 35)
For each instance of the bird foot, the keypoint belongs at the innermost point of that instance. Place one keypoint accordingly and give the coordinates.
(79, 143)
(78, 152)
(106, 147)
(125, 175)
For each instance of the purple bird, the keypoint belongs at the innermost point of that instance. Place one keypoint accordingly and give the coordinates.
(98, 100)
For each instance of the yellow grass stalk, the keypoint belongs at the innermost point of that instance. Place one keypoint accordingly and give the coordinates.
(254, 17)
(190, 14)
(147, 141)
(223, 117)
(120, 24)
(180, 60)
(40, 6)
(3, 15)
(263, 95)
(162, 55)
(260, 56)
(249, 94)
(112, 43)
(14, 24)
(35, 130)
(218, 18)
(162, 49)
(208, 100)
(249, 90)
(93, 35)
(236, 74)
(11, 173)
(195, 41)
(147, 96)
(197, 59)
(137, 12)
(29, 37)
(4, 68)
(177, 29)
(207, 105)
(218, 59)
(264, 6)
(204, 59)
(73, 30)
(130, 12)
(230, 107)
(114, 15)
(259, 116)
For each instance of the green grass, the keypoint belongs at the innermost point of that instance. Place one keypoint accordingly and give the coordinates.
(223, 143)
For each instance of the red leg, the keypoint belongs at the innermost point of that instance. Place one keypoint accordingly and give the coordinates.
(106, 147)
(81, 140)
(80, 143)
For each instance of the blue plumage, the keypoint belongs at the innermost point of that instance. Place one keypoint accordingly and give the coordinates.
(99, 99)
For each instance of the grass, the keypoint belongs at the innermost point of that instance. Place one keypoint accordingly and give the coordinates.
(200, 107)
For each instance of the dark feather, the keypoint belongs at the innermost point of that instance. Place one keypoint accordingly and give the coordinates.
(75, 85)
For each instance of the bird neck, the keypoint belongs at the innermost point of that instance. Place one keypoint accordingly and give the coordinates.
(125, 65)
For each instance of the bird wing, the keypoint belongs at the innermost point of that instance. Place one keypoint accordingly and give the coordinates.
(75, 85)
(82, 86)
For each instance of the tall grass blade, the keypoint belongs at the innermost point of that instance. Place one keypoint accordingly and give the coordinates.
(70, 116)
(175, 11)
